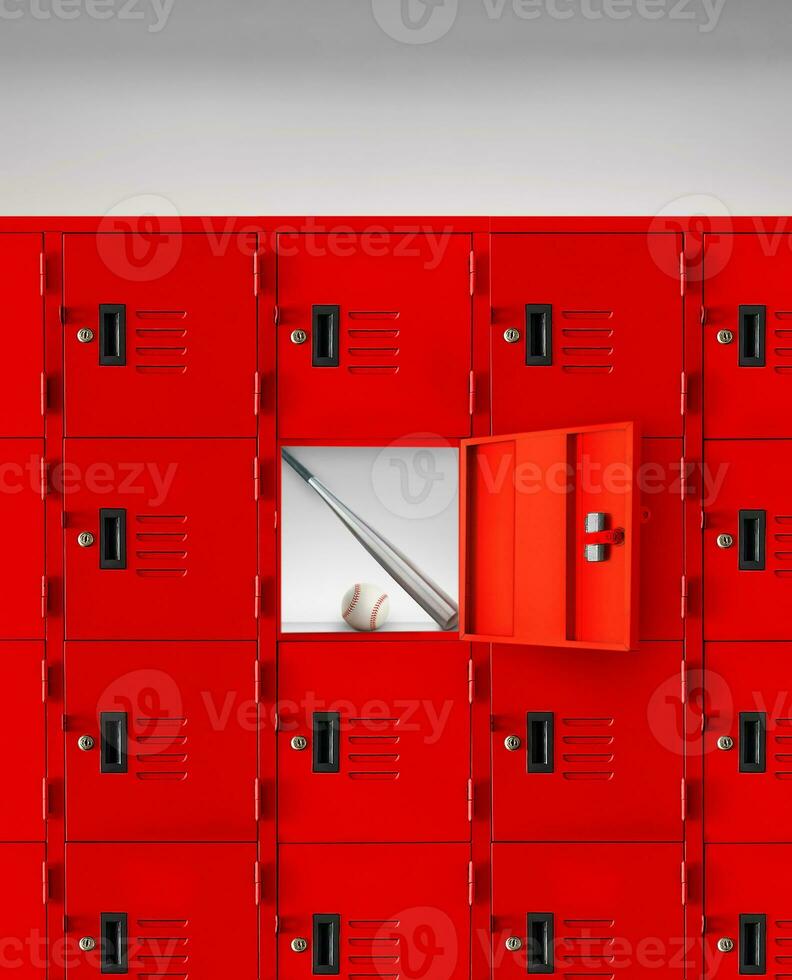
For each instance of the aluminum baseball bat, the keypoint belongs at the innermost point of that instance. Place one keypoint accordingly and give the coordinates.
(429, 596)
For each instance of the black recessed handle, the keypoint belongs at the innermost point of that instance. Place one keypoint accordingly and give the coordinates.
(540, 741)
(753, 944)
(540, 933)
(753, 330)
(114, 741)
(326, 738)
(114, 942)
(112, 538)
(752, 535)
(326, 934)
(112, 334)
(538, 333)
(324, 333)
(753, 741)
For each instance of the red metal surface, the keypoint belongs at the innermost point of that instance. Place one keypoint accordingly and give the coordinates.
(190, 334)
(610, 724)
(404, 742)
(524, 500)
(25, 952)
(190, 714)
(191, 908)
(403, 908)
(191, 539)
(600, 928)
(404, 348)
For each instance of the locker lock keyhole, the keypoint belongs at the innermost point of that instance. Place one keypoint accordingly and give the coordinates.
(513, 943)
(85, 539)
(512, 742)
(725, 945)
(299, 742)
(725, 742)
(86, 742)
(299, 945)
(85, 335)
(724, 541)
(87, 943)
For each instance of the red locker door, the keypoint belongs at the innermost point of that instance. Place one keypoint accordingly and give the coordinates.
(747, 337)
(170, 910)
(22, 534)
(549, 550)
(390, 910)
(22, 331)
(592, 326)
(374, 335)
(23, 924)
(573, 910)
(748, 742)
(574, 737)
(373, 744)
(748, 540)
(153, 328)
(748, 910)
(172, 750)
(22, 750)
(172, 547)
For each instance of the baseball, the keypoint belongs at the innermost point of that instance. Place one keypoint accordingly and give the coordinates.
(365, 606)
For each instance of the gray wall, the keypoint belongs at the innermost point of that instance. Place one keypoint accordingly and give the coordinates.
(334, 106)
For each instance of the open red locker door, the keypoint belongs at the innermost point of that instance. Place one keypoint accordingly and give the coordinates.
(549, 549)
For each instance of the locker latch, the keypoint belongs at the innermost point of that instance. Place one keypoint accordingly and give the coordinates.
(598, 538)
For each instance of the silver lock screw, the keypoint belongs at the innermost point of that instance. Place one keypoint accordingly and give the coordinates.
(299, 742)
(725, 742)
(512, 742)
(87, 943)
(298, 336)
(724, 541)
(299, 945)
(513, 943)
(86, 743)
(511, 336)
(85, 335)
(725, 336)
(725, 945)
(85, 539)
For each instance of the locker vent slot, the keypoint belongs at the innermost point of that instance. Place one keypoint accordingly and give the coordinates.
(588, 748)
(753, 944)
(373, 349)
(374, 749)
(782, 739)
(586, 948)
(162, 948)
(162, 754)
(587, 348)
(752, 320)
(373, 948)
(159, 539)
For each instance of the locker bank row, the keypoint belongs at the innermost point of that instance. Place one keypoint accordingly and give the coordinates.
(377, 343)
(378, 910)
(374, 743)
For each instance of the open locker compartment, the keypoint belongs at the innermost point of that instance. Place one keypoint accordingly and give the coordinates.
(549, 538)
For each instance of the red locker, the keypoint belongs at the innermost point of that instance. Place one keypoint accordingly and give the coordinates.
(171, 741)
(574, 735)
(153, 329)
(747, 337)
(748, 742)
(24, 951)
(377, 328)
(374, 910)
(748, 914)
(22, 534)
(588, 910)
(22, 331)
(748, 540)
(582, 321)
(171, 552)
(549, 549)
(162, 910)
(22, 750)
(373, 741)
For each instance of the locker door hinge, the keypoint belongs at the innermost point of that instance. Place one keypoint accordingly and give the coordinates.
(683, 684)
(683, 475)
(683, 393)
(683, 803)
(470, 800)
(44, 799)
(472, 392)
(257, 882)
(44, 392)
(276, 315)
(276, 923)
(45, 688)
(44, 596)
(257, 682)
(683, 597)
(471, 883)
(256, 478)
(472, 272)
(684, 883)
(256, 597)
(257, 799)
(275, 521)
(43, 273)
(682, 274)
(45, 883)
(471, 682)
(44, 470)
(256, 393)
(256, 274)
